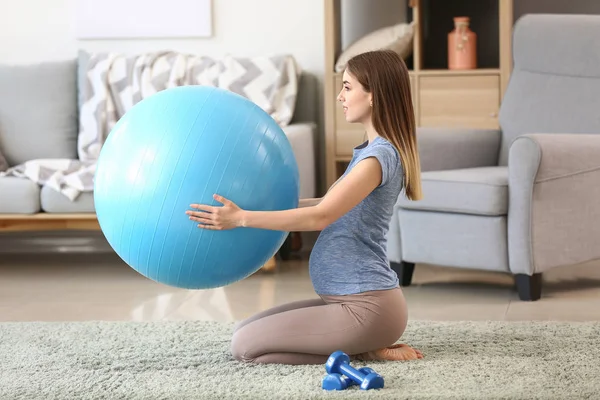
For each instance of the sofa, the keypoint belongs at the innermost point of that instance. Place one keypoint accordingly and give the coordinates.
(40, 108)
(525, 198)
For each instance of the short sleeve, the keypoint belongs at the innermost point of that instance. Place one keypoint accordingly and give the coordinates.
(387, 157)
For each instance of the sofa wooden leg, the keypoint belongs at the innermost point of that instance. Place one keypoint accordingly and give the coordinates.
(269, 265)
(405, 272)
(285, 251)
(529, 287)
(296, 239)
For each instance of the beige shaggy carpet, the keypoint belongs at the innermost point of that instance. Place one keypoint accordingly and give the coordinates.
(190, 360)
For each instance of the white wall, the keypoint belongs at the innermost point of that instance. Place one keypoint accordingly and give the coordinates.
(39, 30)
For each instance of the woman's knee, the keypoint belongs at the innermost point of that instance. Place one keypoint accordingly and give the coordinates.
(240, 349)
(238, 325)
(394, 329)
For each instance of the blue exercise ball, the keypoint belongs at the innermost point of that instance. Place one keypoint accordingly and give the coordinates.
(179, 147)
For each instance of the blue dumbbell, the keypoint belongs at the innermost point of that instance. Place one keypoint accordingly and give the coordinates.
(340, 382)
(336, 382)
(339, 363)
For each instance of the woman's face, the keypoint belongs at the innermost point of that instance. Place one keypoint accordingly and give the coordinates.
(355, 100)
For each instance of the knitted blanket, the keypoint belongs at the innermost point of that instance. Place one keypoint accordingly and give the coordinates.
(115, 82)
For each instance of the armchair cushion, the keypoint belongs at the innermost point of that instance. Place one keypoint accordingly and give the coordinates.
(456, 148)
(479, 191)
(555, 81)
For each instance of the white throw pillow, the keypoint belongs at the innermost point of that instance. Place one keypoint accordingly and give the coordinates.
(398, 38)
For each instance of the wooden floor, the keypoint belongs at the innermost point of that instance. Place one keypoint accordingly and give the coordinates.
(98, 286)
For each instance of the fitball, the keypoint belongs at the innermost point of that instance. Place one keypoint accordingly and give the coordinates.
(179, 147)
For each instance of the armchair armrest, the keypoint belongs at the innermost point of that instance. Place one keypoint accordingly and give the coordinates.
(554, 198)
(454, 148)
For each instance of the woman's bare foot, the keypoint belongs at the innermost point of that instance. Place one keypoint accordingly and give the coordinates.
(398, 352)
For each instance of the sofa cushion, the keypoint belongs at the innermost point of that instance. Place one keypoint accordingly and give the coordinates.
(19, 196)
(456, 240)
(3, 163)
(38, 111)
(55, 202)
(83, 59)
(480, 191)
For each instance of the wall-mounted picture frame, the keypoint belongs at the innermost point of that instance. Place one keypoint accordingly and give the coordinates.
(143, 19)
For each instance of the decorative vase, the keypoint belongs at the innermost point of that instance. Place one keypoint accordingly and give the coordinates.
(462, 45)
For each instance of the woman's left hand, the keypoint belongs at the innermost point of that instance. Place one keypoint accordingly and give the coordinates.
(228, 216)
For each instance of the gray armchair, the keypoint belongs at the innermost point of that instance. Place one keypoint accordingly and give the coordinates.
(525, 198)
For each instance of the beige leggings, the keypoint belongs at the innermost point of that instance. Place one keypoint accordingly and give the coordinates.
(307, 332)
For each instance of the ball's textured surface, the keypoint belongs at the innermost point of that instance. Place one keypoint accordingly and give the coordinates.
(179, 147)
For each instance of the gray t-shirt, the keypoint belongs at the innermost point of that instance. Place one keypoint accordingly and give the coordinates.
(350, 254)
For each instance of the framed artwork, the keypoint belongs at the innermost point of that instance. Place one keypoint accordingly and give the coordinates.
(141, 19)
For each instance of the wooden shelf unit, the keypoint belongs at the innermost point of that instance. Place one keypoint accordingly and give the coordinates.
(441, 97)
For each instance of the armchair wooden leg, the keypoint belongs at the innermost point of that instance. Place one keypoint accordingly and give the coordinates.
(529, 287)
(405, 272)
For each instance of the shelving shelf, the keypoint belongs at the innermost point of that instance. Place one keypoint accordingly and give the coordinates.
(441, 97)
(446, 72)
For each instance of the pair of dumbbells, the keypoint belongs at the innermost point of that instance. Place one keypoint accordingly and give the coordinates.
(341, 375)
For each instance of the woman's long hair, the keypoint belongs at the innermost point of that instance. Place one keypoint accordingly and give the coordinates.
(383, 73)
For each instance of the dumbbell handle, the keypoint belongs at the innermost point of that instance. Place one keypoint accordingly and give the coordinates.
(337, 381)
(352, 373)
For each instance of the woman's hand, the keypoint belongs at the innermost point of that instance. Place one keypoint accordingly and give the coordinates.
(228, 216)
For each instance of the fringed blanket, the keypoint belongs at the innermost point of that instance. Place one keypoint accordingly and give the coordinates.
(115, 82)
